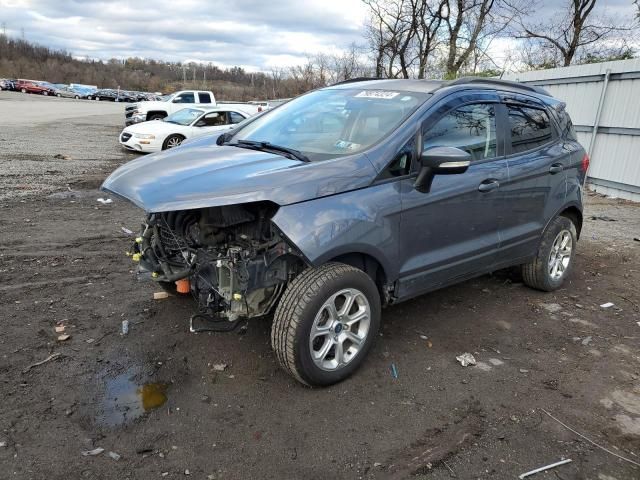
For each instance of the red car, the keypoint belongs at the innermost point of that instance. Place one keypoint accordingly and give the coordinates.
(32, 86)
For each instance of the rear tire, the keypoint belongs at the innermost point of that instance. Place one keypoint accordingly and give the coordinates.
(325, 323)
(555, 257)
(23, 90)
(156, 116)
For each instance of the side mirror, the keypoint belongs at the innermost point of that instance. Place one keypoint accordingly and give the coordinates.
(176, 100)
(445, 160)
(440, 161)
(200, 123)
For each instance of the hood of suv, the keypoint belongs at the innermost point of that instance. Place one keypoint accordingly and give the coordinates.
(202, 176)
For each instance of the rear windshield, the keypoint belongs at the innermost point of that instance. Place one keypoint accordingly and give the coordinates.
(333, 122)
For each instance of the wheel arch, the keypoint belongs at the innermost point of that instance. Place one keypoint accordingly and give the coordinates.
(156, 112)
(573, 213)
(365, 262)
(166, 139)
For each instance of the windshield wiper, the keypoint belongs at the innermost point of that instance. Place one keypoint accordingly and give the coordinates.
(266, 146)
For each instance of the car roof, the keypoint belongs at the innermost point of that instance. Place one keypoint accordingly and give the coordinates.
(403, 85)
(430, 86)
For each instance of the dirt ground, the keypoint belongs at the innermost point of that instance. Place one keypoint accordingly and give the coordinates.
(161, 399)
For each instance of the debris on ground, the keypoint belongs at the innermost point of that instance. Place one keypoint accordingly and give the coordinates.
(524, 370)
(546, 467)
(551, 307)
(586, 340)
(114, 455)
(105, 201)
(607, 305)
(220, 367)
(124, 329)
(394, 371)
(59, 328)
(3, 444)
(424, 337)
(466, 359)
(42, 362)
(160, 295)
(64, 337)
(126, 231)
(604, 218)
(93, 453)
(59, 156)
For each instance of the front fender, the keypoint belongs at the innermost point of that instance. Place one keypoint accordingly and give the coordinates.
(361, 221)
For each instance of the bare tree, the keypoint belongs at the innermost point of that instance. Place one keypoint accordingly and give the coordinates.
(576, 31)
(390, 32)
(469, 25)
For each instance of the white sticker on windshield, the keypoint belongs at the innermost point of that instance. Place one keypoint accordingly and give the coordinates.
(382, 94)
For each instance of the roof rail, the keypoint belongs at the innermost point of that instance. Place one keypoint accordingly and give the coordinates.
(499, 82)
(358, 79)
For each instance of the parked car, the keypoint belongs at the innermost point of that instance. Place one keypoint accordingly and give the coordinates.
(83, 91)
(32, 86)
(66, 91)
(173, 130)
(7, 84)
(156, 110)
(354, 197)
(104, 94)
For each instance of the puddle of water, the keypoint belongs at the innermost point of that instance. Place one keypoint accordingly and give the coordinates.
(125, 400)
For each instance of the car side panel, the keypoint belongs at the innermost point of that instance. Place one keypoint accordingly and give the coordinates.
(361, 221)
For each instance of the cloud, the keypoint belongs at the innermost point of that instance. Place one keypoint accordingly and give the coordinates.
(250, 33)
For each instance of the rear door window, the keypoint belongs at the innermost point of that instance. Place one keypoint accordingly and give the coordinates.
(530, 128)
(204, 97)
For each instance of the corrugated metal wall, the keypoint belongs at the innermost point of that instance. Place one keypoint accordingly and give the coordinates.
(615, 153)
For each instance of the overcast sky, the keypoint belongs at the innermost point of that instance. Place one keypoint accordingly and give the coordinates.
(254, 34)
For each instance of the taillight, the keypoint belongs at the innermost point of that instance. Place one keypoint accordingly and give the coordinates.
(259, 109)
(585, 163)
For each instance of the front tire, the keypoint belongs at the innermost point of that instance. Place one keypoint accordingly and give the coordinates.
(326, 323)
(172, 141)
(554, 260)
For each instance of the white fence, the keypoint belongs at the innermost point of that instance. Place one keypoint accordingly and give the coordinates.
(603, 100)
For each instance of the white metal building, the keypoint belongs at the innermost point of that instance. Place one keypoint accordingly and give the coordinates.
(603, 100)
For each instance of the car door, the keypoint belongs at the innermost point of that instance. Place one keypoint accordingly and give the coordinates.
(452, 231)
(537, 183)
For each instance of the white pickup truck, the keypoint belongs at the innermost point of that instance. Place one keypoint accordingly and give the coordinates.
(157, 110)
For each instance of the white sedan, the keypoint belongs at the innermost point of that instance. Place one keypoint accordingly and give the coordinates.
(171, 131)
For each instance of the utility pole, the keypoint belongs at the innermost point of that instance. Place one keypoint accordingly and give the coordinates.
(22, 33)
(184, 77)
(4, 28)
(204, 79)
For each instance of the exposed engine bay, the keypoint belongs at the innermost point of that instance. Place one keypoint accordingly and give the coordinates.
(235, 259)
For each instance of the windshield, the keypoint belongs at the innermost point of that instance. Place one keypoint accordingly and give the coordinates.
(184, 116)
(331, 123)
(166, 98)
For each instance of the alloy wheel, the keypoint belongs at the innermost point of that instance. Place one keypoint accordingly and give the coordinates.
(340, 329)
(174, 142)
(560, 255)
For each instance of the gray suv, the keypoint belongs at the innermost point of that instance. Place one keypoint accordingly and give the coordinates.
(354, 197)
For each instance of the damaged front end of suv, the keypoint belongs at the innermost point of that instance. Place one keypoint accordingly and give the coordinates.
(233, 259)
